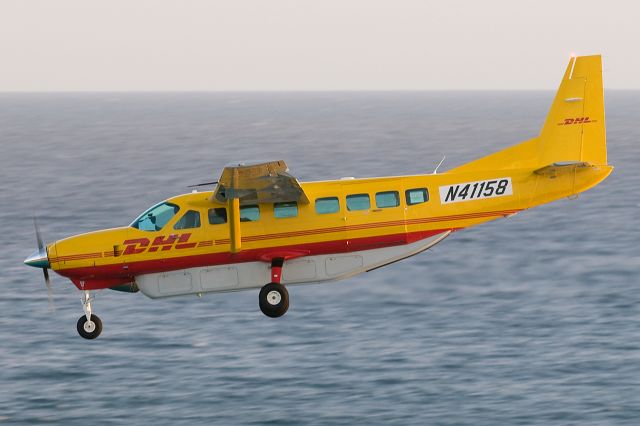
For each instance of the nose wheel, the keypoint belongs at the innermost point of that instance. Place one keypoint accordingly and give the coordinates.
(89, 326)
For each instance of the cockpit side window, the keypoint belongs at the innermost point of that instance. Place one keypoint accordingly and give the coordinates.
(190, 220)
(156, 217)
(217, 216)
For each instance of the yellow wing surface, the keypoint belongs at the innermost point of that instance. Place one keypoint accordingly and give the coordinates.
(267, 182)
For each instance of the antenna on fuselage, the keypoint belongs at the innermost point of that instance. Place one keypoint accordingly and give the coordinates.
(435, 172)
(203, 184)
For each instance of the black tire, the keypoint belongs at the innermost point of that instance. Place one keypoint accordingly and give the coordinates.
(271, 304)
(88, 333)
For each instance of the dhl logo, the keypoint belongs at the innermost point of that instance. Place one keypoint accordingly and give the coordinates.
(576, 120)
(161, 243)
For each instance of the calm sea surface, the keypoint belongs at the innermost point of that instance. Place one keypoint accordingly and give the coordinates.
(533, 319)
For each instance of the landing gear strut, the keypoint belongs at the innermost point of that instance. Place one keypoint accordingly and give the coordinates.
(274, 297)
(89, 326)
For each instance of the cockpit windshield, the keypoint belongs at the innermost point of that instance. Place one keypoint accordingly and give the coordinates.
(156, 217)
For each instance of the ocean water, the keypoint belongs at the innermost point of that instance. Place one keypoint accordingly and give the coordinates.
(533, 319)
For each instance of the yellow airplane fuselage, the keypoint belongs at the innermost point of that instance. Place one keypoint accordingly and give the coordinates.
(113, 257)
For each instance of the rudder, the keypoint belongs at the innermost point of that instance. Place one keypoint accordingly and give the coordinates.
(574, 130)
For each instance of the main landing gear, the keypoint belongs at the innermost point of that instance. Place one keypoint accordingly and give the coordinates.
(274, 300)
(274, 297)
(89, 325)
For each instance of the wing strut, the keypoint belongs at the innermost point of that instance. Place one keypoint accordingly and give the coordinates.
(233, 204)
(234, 225)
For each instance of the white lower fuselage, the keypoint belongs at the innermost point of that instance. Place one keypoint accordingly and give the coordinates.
(302, 270)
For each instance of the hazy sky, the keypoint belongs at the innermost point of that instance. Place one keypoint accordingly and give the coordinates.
(59, 45)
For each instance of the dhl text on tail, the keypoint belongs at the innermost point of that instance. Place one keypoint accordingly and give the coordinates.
(261, 228)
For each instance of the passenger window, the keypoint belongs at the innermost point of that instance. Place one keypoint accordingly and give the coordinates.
(417, 196)
(327, 205)
(284, 210)
(387, 199)
(249, 213)
(217, 216)
(156, 217)
(358, 202)
(190, 220)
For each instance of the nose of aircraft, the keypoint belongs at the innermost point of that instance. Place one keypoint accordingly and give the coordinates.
(38, 259)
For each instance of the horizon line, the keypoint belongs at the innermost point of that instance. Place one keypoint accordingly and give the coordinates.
(172, 91)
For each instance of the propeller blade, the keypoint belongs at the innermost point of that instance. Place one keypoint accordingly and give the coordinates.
(47, 282)
(38, 236)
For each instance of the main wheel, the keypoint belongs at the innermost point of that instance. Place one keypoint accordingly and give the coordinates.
(89, 329)
(274, 300)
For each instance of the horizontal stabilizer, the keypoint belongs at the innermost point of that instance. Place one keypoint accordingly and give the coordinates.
(558, 168)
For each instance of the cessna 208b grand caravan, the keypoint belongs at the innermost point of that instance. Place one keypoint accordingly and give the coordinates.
(261, 228)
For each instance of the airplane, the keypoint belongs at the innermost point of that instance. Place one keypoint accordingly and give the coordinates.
(261, 228)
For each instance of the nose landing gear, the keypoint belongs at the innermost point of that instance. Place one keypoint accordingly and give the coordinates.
(89, 326)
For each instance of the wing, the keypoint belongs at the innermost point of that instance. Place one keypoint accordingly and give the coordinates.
(267, 182)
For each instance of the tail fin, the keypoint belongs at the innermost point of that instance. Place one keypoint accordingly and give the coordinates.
(573, 132)
(575, 127)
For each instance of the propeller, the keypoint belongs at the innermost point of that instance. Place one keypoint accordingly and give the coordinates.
(42, 256)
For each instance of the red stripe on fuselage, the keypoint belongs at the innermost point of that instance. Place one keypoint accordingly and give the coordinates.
(97, 277)
(372, 225)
